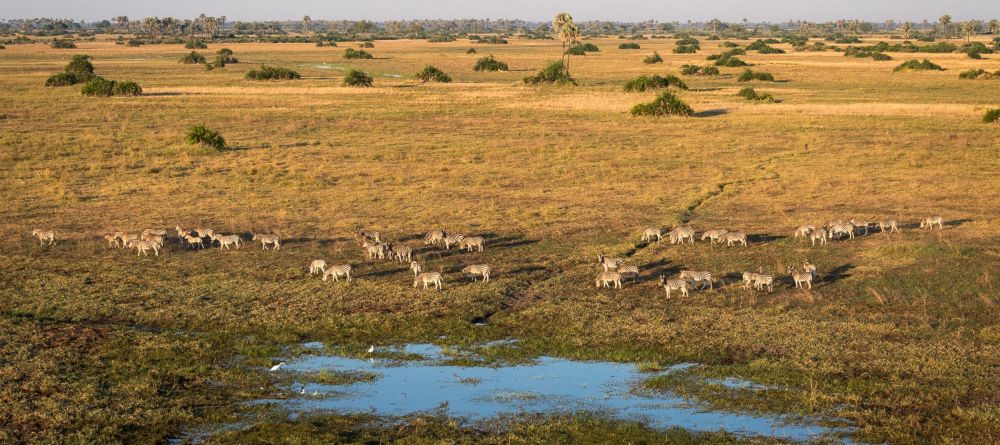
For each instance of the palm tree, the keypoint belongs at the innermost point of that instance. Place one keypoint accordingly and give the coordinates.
(122, 22)
(945, 22)
(969, 28)
(561, 20)
(906, 28)
(561, 25)
(994, 26)
(570, 35)
(306, 21)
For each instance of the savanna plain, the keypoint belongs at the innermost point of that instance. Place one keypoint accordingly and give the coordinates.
(897, 341)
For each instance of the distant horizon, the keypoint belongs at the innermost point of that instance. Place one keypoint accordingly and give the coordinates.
(731, 11)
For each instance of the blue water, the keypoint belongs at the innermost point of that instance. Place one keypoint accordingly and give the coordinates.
(547, 385)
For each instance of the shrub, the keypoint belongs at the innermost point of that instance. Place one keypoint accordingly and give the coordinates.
(991, 116)
(193, 58)
(590, 47)
(199, 134)
(367, 44)
(654, 82)
(470, 51)
(62, 44)
(747, 75)
(62, 79)
(666, 104)
(126, 88)
(881, 57)
(631, 45)
(750, 94)
(226, 55)
(695, 70)
(134, 43)
(710, 71)
(973, 55)
(729, 45)
(730, 61)
(432, 74)
(555, 73)
(271, 73)
(688, 41)
(351, 53)
(80, 65)
(358, 78)
(763, 48)
(441, 38)
(685, 49)
(914, 65)
(195, 44)
(576, 50)
(655, 58)
(978, 74)
(488, 63)
(101, 87)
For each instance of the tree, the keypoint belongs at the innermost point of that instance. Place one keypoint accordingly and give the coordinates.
(945, 22)
(122, 22)
(994, 26)
(561, 20)
(906, 28)
(568, 32)
(969, 28)
(306, 21)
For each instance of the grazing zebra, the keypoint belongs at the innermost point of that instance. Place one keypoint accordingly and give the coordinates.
(375, 251)
(402, 253)
(477, 269)
(428, 278)
(801, 279)
(713, 235)
(651, 232)
(749, 278)
(803, 231)
(472, 242)
(818, 234)
(608, 278)
(762, 280)
(434, 237)
(861, 225)
(415, 267)
(888, 226)
(698, 276)
(142, 246)
(158, 232)
(838, 229)
(930, 221)
(316, 266)
(369, 234)
(44, 235)
(609, 263)
(735, 237)
(226, 240)
(679, 234)
(452, 239)
(112, 241)
(193, 242)
(267, 239)
(343, 270)
(809, 268)
(680, 284)
(630, 270)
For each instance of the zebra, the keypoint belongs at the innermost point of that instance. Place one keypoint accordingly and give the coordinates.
(452, 239)
(142, 246)
(477, 269)
(607, 279)
(861, 225)
(762, 280)
(204, 233)
(735, 237)
(803, 231)
(652, 232)
(415, 267)
(888, 226)
(375, 251)
(698, 277)
(472, 242)
(818, 234)
(316, 266)
(159, 232)
(193, 242)
(435, 236)
(402, 253)
(368, 234)
(749, 279)
(428, 278)
(609, 263)
(713, 235)
(631, 270)
(930, 221)
(801, 279)
(809, 268)
(343, 270)
(157, 239)
(267, 239)
(680, 284)
(44, 235)
(226, 240)
(679, 234)
(112, 241)
(838, 229)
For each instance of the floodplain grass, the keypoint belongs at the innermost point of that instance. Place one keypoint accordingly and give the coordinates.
(111, 347)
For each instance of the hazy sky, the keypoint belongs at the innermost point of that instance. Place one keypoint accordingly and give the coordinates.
(625, 10)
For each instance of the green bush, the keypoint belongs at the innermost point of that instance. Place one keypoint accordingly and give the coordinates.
(488, 63)
(62, 44)
(685, 49)
(666, 104)
(748, 75)
(195, 44)
(688, 41)
(432, 74)
(134, 43)
(367, 44)
(655, 58)
(631, 45)
(441, 38)
(654, 82)
(80, 65)
(199, 134)
(730, 45)
(695, 70)
(358, 78)
(470, 51)
(730, 61)
(226, 55)
(991, 116)
(351, 53)
(101, 87)
(62, 79)
(978, 74)
(763, 48)
(271, 73)
(126, 88)
(555, 73)
(590, 47)
(750, 94)
(881, 57)
(576, 50)
(914, 65)
(193, 58)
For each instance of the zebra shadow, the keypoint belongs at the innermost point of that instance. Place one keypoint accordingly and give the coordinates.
(837, 273)
(760, 238)
(526, 270)
(405, 238)
(957, 222)
(382, 272)
(508, 242)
